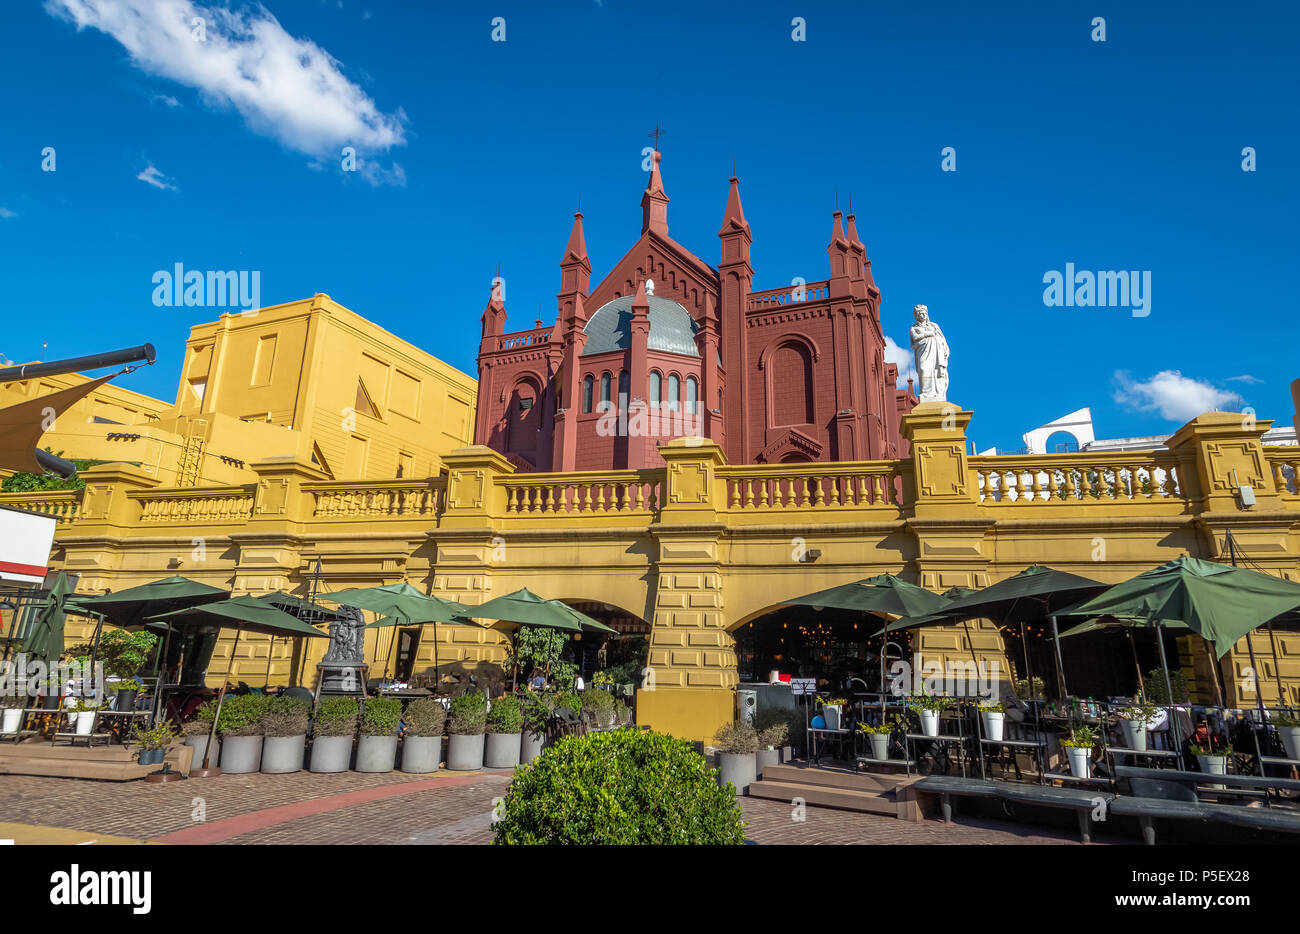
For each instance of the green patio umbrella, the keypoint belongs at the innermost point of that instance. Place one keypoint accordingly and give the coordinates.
(884, 595)
(526, 608)
(910, 622)
(242, 613)
(130, 607)
(403, 603)
(587, 623)
(1128, 624)
(45, 639)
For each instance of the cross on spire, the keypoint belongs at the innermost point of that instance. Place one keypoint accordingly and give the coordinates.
(655, 135)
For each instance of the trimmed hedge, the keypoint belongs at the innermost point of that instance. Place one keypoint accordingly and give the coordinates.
(382, 716)
(468, 715)
(336, 716)
(506, 715)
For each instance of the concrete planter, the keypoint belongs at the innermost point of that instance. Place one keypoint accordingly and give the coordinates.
(1080, 760)
(331, 753)
(764, 758)
(502, 751)
(199, 743)
(11, 720)
(421, 754)
(1290, 736)
(738, 768)
(465, 752)
(531, 746)
(879, 745)
(241, 754)
(376, 753)
(787, 754)
(1134, 733)
(283, 754)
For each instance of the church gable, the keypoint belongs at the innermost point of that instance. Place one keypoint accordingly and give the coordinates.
(677, 274)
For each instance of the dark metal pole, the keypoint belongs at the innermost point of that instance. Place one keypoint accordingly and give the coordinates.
(1169, 691)
(221, 699)
(1060, 666)
(1132, 645)
(141, 354)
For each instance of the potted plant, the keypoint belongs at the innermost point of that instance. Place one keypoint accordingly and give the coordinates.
(128, 689)
(1134, 720)
(832, 708)
(771, 740)
(878, 736)
(81, 716)
(425, 721)
(284, 723)
(598, 707)
(505, 723)
(1078, 747)
(1025, 692)
(928, 707)
(380, 720)
(537, 716)
(153, 742)
(240, 725)
(992, 717)
(737, 764)
(197, 732)
(1288, 730)
(333, 727)
(11, 712)
(466, 721)
(1212, 760)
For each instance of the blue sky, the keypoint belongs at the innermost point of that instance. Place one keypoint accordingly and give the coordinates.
(1116, 155)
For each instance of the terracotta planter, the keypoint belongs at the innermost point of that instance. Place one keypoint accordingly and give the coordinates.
(283, 754)
(421, 754)
(331, 753)
(241, 754)
(465, 752)
(502, 751)
(738, 768)
(376, 753)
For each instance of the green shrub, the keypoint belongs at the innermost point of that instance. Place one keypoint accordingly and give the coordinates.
(286, 716)
(536, 711)
(599, 705)
(568, 699)
(241, 714)
(738, 738)
(425, 716)
(381, 717)
(468, 715)
(1155, 684)
(122, 653)
(336, 716)
(201, 725)
(622, 712)
(506, 715)
(620, 787)
(775, 735)
(158, 737)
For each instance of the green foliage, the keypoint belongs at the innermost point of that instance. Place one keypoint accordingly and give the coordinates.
(931, 702)
(468, 715)
(1022, 688)
(336, 716)
(1140, 711)
(621, 787)
(598, 705)
(568, 699)
(81, 705)
(506, 715)
(536, 712)
(201, 725)
(158, 737)
(738, 738)
(884, 729)
(381, 716)
(130, 684)
(286, 716)
(1211, 750)
(773, 722)
(622, 712)
(1286, 720)
(23, 482)
(565, 675)
(831, 701)
(425, 716)
(991, 707)
(123, 653)
(241, 714)
(1080, 738)
(1155, 683)
(539, 647)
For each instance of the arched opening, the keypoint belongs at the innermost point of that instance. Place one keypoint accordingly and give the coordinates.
(522, 420)
(1061, 442)
(790, 385)
(588, 388)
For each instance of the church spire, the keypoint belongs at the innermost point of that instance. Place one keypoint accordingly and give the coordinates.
(654, 203)
(733, 218)
(576, 250)
(494, 315)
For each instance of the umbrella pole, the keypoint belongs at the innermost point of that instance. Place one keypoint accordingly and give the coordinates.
(216, 715)
(1132, 647)
(436, 676)
(269, 653)
(1060, 666)
(1254, 666)
(94, 648)
(1169, 691)
(162, 674)
(1216, 674)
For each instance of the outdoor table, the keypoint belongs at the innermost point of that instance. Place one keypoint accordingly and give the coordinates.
(828, 737)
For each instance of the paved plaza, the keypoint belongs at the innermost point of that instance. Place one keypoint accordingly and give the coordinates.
(390, 808)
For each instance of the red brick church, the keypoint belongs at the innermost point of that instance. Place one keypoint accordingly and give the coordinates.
(667, 345)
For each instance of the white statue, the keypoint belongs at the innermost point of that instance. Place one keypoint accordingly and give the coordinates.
(931, 350)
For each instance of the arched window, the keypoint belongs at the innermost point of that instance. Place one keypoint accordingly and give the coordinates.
(588, 385)
(692, 389)
(656, 388)
(624, 390)
(604, 388)
(674, 392)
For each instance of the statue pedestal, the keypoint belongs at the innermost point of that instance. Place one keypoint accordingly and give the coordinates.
(344, 677)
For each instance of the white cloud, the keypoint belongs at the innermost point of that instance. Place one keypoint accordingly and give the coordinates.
(903, 357)
(151, 176)
(164, 99)
(1176, 397)
(6, 213)
(1245, 378)
(287, 88)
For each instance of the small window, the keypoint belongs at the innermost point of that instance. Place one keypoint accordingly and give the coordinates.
(692, 388)
(604, 387)
(588, 386)
(674, 389)
(624, 387)
(656, 389)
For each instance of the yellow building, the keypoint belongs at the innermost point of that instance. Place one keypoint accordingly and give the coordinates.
(307, 380)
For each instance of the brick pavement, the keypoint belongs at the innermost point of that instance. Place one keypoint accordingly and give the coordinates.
(395, 808)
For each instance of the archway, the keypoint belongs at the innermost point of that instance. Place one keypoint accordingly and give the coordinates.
(622, 654)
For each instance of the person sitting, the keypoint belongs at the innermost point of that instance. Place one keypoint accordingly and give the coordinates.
(538, 681)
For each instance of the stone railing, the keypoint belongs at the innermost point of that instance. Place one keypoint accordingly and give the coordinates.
(789, 295)
(779, 487)
(187, 505)
(1284, 467)
(398, 499)
(614, 492)
(1078, 479)
(61, 504)
(523, 339)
